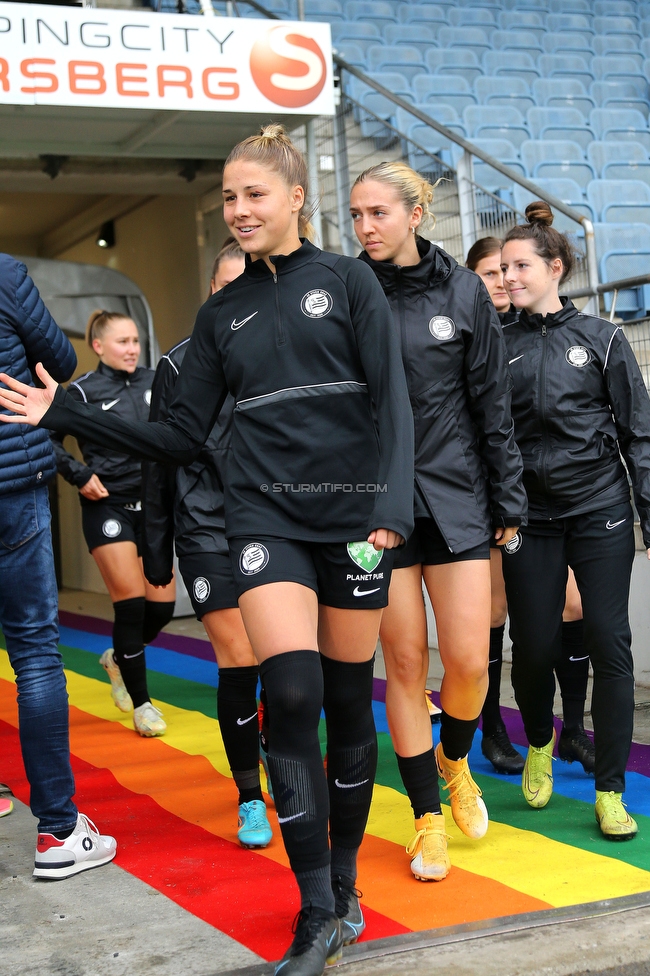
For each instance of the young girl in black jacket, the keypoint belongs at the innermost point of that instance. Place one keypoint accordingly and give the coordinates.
(579, 403)
(455, 360)
(319, 490)
(110, 492)
(572, 672)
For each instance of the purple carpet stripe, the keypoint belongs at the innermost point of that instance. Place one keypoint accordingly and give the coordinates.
(192, 646)
(379, 690)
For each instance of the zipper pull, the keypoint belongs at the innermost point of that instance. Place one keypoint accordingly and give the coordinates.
(275, 278)
(543, 328)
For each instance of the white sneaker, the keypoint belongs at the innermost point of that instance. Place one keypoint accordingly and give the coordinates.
(119, 694)
(148, 720)
(85, 848)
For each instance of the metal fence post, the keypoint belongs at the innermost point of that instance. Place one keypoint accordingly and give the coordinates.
(342, 177)
(466, 201)
(593, 305)
(312, 163)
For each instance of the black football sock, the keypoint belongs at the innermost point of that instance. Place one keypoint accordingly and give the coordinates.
(294, 689)
(237, 713)
(156, 616)
(128, 647)
(491, 714)
(456, 735)
(264, 731)
(573, 674)
(420, 777)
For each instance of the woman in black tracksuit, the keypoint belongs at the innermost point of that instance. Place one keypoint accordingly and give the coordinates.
(319, 489)
(579, 403)
(572, 671)
(110, 492)
(184, 507)
(454, 355)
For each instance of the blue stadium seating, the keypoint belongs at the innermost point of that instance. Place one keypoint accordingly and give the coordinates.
(526, 20)
(557, 159)
(565, 66)
(420, 13)
(614, 8)
(619, 67)
(516, 41)
(352, 53)
(504, 91)
(559, 123)
(570, 6)
(496, 122)
(624, 251)
(621, 124)
(518, 63)
(627, 44)
(620, 201)
(489, 178)
(472, 17)
(563, 93)
(618, 94)
(385, 57)
(433, 142)
(619, 160)
(566, 190)
(469, 38)
(616, 25)
(412, 35)
(569, 22)
(374, 11)
(453, 62)
(567, 42)
(324, 10)
(361, 34)
(450, 89)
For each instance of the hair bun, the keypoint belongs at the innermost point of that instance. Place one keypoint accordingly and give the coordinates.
(274, 131)
(539, 212)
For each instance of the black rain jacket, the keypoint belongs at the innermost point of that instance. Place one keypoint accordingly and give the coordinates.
(579, 402)
(322, 434)
(468, 470)
(184, 505)
(120, 394)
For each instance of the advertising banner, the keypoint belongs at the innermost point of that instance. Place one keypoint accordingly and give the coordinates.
(100, 58)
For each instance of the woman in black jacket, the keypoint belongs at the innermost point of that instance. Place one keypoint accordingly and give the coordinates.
(319, 490)
(467, 489)
(572, 672)
(110, 491)
(579, 404)
(183, 507)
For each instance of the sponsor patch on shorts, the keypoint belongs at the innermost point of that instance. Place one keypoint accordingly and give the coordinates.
(365, 556)
(111, 528)
(514, 545)
(201, 587)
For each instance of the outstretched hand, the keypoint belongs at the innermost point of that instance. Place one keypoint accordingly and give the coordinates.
(28, 404)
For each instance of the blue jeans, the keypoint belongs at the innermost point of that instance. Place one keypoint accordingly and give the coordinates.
(29, 619)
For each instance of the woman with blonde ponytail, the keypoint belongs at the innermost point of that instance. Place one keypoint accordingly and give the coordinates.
(580, 408)
(318, 493)
(467, 489)
(110, 492)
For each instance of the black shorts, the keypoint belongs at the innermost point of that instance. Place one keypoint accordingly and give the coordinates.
(352, 576)
(209, 582)
(427, 545)
(107, 521)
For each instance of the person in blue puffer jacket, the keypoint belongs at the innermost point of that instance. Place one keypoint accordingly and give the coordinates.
(68, 842)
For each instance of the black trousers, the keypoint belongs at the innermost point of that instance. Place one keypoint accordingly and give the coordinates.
(599, 547)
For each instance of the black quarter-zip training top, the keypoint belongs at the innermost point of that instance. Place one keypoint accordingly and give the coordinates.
(579, 402)
(468, 470)
(322, 438)
(124, 395)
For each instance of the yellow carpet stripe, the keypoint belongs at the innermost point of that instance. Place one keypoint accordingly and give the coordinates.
(529, 862)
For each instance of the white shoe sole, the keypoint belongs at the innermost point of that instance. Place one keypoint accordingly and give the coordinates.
(58, 874)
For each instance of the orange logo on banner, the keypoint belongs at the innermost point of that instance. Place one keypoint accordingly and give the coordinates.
(288, 68)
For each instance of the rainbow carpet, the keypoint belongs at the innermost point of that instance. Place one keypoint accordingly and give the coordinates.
(172, 805)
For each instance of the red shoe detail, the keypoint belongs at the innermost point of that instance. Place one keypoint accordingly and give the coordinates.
(45, 841)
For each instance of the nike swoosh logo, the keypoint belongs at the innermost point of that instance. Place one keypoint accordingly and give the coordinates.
(294, 817)
(579, 658)
(496, 661)
(510, 361)
(357, 592)
(349, 786)
(237, 325)
(107, 406)
(612, 525)
(128, 657)
(243, 721)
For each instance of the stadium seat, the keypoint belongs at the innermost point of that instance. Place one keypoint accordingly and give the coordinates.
(618, 95)
(405, 60)
(556, 159)
(540, 6)
(620, 160)
(620, 201)
(645, 47)
(411, 35)
(614, 8)
(453, 62)
(570, 6)
(518, 20)
(445, 114)
(616, 25)
(620, 124)
(559, 123)
(567, 41)
(496, 122)
(489, 178)
(469, 38)
(518, 63)
(619, 68)
(504, 91)
(516, 41)
(446, 89)
(563, 93)
(363, 35)
(374, 11)
(381, 106)
(569, 22)
(351, 53)
(486, 4)
(604, 44)
(421, 13)
(624, 252)
(433, 143)
(472, 17)
(565, 66)
(324, 10)
(567, 191)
